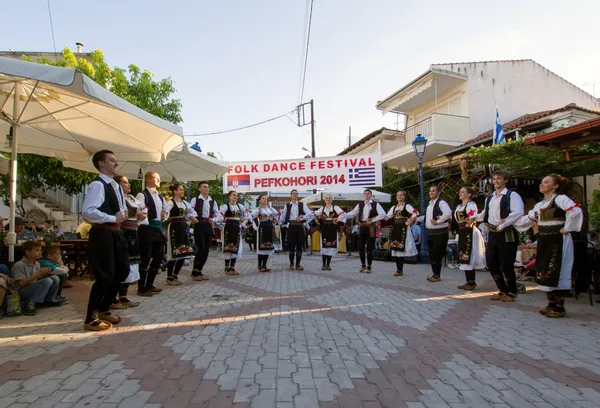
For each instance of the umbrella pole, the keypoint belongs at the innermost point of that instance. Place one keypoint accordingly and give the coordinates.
(11, 240)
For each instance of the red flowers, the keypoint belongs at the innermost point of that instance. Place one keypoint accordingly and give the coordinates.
(471, 213)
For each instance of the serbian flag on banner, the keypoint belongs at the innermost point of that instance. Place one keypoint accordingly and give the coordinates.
(238, 181)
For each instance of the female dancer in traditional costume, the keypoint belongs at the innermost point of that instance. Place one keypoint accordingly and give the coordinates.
(263, 217)
(402, 243)
(555, 216)
(234, 214)
(178, 238)
(471, 247)
(135, 213)
(327, 217)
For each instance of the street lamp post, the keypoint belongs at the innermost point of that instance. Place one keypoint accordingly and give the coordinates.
(420, 144)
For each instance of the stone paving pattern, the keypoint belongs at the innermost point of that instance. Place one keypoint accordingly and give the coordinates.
(307, 338)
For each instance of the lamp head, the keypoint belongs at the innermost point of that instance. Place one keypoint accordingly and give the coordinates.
(420, 144)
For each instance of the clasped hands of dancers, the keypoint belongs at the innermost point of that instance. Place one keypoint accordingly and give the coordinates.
(127, 240)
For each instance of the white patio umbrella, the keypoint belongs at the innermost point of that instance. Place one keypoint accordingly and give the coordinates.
(60, 112)
(182, 164)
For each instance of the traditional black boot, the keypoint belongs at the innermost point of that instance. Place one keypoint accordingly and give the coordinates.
(232, 267)
(559, 308)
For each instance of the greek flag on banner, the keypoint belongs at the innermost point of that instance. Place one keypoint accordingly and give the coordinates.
(498, 131)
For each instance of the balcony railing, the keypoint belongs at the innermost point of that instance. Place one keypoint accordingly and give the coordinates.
(420, 128)
(58, 199)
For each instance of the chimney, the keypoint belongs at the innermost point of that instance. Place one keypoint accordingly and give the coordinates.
(79, 47)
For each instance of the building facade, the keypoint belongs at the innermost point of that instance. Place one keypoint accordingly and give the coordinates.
(453, 103)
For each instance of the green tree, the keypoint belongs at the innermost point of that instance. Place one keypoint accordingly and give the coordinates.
(134, 85)
(534, 161)
(594, 210)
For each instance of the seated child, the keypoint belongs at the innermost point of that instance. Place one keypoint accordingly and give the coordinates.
(36, 285)
(53, 260)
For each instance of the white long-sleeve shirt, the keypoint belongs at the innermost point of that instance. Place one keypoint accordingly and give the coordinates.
(442, 221)
(366, 211)
(471, 210)
(328, 210)
(188, 210)
(517, 209)
(159, 204)
(294, 211)
(409, 208)
(95, 197)
(244, 213)
(207, 212)
(572, 223)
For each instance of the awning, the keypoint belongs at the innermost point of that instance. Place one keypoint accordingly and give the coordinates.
(421, 90)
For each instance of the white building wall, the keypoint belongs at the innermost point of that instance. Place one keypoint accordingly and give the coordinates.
(519, 87)
(452, 102)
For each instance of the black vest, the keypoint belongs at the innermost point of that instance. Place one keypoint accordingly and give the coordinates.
(176, 211)
(332, 214)
(401, 214)
(504, 206)
(553, 212)
(152, 210)
(288, 207)
(234, 214)
(200, 207)
(372, 213)
(111, 202)
(437, 211)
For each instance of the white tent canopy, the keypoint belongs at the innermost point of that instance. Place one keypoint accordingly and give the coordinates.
(64, 114)
(346, 196)
(60, 112)
(182, 164)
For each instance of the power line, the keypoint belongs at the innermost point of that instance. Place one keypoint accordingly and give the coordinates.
(306, 52)
(51, 27)
(240, 128)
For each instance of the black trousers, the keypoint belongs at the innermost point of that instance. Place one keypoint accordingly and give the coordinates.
(151, 244)
(109, 257)
(437, 242)
(500, 258)
(295, 239)
(369, 242)
(173, 267)
(203, 237)
(399, 263)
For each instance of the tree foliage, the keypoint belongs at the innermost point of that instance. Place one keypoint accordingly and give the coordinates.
(134, 85)
(396, 180)
(534, 161)
(594, 210)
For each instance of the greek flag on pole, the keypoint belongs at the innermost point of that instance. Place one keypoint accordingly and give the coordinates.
(498, 131)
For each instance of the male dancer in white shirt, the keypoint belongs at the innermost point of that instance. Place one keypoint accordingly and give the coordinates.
(151, 239)
(437, 221)
(369, 212)
(503, 208)
(104, 207)
(297, 215)
(207, 210)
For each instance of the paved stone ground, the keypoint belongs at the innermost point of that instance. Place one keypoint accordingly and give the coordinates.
(307, 339)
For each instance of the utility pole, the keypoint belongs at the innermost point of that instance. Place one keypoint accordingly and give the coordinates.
(312, 128)
(302, 121)
(349, 136)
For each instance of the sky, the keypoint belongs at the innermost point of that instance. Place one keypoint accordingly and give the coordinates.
(239, 62)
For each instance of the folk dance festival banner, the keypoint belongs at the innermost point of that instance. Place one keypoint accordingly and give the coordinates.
(322, 173)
